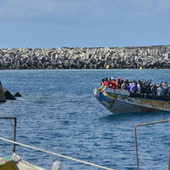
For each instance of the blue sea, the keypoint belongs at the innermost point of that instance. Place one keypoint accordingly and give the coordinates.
(58, 112)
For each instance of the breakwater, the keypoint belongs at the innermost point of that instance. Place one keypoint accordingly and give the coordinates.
(85, 58)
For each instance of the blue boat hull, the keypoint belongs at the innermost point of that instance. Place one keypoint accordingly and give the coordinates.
(117, 102)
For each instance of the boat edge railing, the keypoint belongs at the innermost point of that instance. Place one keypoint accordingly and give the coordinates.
(145, 124)
(56, 154)
(15, 125)
(42, 150)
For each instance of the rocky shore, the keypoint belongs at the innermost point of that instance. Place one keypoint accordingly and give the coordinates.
(85, 58)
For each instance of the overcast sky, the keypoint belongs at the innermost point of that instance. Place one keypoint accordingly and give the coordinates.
(84, 23)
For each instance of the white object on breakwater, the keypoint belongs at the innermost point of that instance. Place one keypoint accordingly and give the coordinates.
(107, 67)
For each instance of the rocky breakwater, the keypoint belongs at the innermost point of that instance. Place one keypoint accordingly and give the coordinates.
(85, 58)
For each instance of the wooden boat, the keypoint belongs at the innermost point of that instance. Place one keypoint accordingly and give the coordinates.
(122, 101)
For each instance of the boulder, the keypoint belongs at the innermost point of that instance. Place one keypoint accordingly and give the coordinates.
(119, 57)
(8, 95)
(17, 94)
(1, 52)
(2, 96)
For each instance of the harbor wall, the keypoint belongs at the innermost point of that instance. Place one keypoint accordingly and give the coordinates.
(86, 58)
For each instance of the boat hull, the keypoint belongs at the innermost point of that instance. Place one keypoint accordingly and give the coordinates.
(122, 103)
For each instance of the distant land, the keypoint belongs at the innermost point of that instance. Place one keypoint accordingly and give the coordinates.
(150, 57)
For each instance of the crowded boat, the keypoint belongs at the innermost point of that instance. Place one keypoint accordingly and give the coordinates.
(127, 96)
(137, 88)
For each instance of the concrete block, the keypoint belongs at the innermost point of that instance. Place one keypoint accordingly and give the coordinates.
(8, 95)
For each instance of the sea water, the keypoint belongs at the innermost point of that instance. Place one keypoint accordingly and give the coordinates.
(58, 112)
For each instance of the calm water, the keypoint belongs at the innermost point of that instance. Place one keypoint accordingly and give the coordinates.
(59, 113)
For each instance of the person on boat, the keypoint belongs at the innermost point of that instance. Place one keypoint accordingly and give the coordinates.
(109, 82)
(114, 84)
(138, 86)
(102, 81)
(166, 89)
(119, 82)
(127, 87)
(148, 86)
(106, 82)
(145, 87)
(169, 91)
(130, 82)
(123, 86)
(153, 90)
(133, 87)
(160, 90)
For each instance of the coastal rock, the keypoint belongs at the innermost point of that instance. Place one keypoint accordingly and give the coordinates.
(1, 52)
(8, 95)
(2, 96)
(85, 58)
(17, 94)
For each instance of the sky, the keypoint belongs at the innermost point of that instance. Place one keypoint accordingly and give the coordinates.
(84, 23)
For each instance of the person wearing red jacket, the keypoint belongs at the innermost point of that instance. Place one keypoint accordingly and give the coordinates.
(114, 83)
(106, 82)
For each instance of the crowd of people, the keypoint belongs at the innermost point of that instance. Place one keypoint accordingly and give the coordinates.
(140, 87)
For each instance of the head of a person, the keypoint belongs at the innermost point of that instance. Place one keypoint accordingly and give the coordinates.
(118, 80)
(126, 81)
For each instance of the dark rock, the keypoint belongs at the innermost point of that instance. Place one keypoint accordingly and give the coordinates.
(24, 66)
(8, 95)
(17, 94)
(155, 63)
(2, 96)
